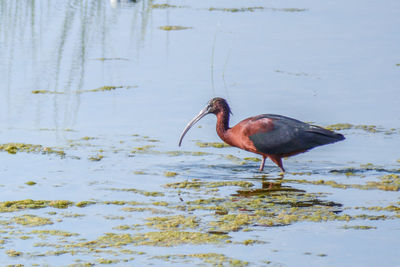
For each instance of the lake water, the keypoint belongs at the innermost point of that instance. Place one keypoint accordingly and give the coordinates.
(94, 96)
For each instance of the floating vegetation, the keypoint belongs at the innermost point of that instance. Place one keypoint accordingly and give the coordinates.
(106, 88)
(53, 233)
(173, 28)
(13, 148)
(188, 153)
(145, 209)
(358, 227)
(162, 239)
(11, 206)
(137, 191)
(388, 182)
(170, 174)
(13, 253)
(212, 144)
(96, 158)
(252, 159)
(366, 128)
(200, 184)
(142, 149)
(30, 183)
(165, 6)
(210, 258)
(45, 92)
(83, 204)
(31, 220)
(242, 9)
(173, 222)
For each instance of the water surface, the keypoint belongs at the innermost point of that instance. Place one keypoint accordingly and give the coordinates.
(105, 88)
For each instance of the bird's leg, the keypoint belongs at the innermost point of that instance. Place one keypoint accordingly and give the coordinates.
(277, 160)
(262, 164)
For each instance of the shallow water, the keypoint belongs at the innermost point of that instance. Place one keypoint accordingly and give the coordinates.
(112, 85)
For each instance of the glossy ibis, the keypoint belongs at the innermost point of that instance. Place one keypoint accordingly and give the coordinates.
(272, 136)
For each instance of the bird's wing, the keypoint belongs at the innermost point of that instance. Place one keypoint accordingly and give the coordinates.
(284, 135)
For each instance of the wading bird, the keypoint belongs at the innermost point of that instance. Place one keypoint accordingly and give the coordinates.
(269, 135)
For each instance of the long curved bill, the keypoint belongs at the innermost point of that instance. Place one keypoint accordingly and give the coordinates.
(202, 113)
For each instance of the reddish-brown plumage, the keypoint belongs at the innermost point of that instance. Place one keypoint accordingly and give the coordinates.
(268, 135)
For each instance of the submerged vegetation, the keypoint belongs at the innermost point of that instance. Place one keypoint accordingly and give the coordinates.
(186, 211)
(212, 144)
(13, 148)
(173, 28)
(104, 88)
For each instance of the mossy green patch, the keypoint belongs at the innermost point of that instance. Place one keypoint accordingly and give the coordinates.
(142, 149)
(202, 184)
(249, 242)
(165, 6)
(173, 28)
(60, 204)
(13, 148)
(212, 144)
(145, 209)
(234, 10)
(53, 233)
(162, 239)
(31, 220)
(107, 261)
(366, 128)
(358, 227)
(388, 182)
(13, 253)
(186, 153)
(45, 92)
(172, 222)
(213, 259)
(252, 159)
(96, 157)
(160, 203)
(105, 88)
(170, 174)
(339, 126)
(16, 205)
(83, 204)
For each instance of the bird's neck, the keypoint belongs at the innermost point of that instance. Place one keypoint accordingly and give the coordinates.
(223, 125)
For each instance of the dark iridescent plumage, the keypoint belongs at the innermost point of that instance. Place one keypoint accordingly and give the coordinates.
(272, 136)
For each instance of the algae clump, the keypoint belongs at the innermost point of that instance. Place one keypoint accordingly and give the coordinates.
(16, 205)
(13, 148)
(172, 222)
(213, 259)
(31, 220)
(173, 28)
(45, 92)
(13, 253)
(96, 158)
(212, 144)
(162, 239)
(170, 174)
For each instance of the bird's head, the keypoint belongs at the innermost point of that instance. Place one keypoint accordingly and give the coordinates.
(215, 106)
